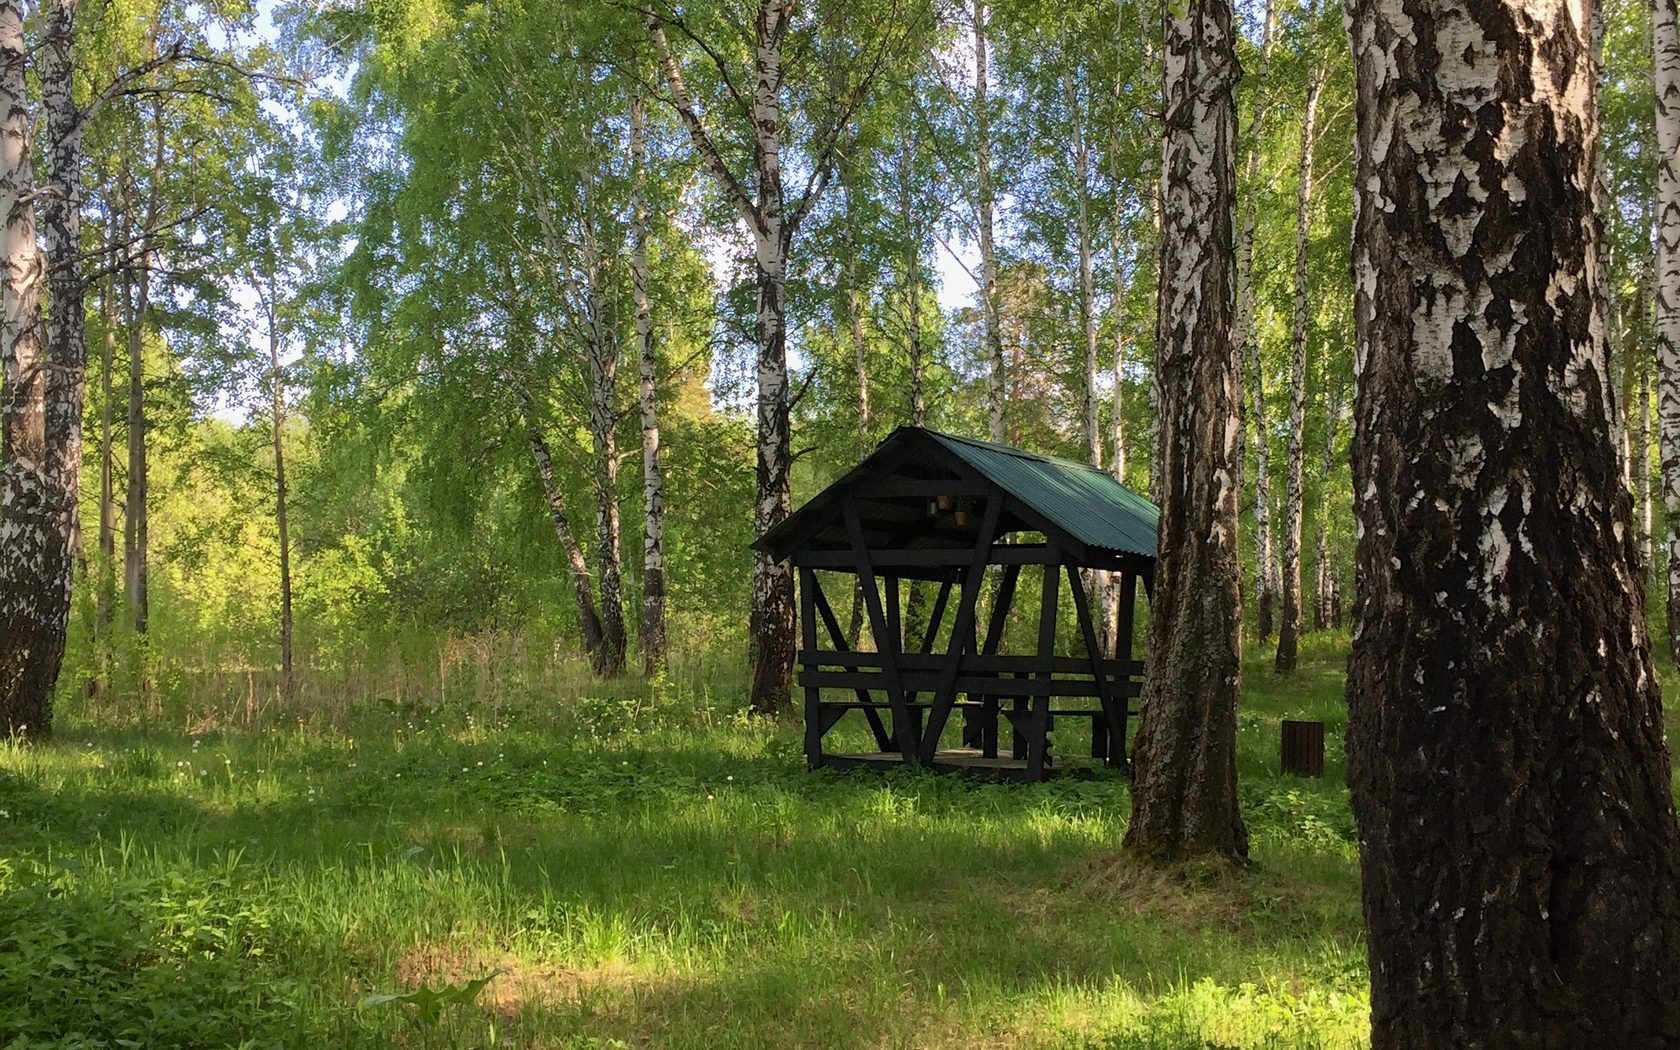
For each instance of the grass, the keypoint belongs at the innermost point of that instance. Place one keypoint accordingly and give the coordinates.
(650, 872)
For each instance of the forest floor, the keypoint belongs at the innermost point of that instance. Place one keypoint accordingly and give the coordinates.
(651, 873)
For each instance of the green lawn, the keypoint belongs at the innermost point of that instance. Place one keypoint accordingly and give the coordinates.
(651, 873)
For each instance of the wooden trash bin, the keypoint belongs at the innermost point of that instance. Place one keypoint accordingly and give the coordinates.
(1303, 748)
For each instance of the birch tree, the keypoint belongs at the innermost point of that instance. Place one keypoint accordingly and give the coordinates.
(1185, 788)
(1265, 562)
(762, 204)
(1517, 838)
(1289, 629)
(1666, 47)
(28, 561)
(651, 633)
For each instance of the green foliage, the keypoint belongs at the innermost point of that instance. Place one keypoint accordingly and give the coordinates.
(645, 865)
(173, 960)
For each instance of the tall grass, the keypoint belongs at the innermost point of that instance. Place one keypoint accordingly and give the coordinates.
(641, 864)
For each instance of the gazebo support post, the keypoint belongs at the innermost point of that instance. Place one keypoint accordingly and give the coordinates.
(983, 732)
(1038, 736)
(1113, 711)
(883, 739)
(813, 694)
(962, 632)
(886, 643)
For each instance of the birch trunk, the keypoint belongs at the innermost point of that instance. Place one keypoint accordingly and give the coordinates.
(136, 527)
(1666, 47)
(771, 622)
(912, 279)
(1517, 837)
(1265, 574)
(1185, 792)
(996, 381)
(281, 523)
(27, 506)
(652, 631)
(772, 617)
(1289, 630)
(583, 590)
(107, 593)
(602, 368)
(1325, 579)
(1642, 474)
(853, 296)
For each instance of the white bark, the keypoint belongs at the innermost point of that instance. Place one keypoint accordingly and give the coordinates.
(1289, 630)
(1666, 46)
(652, 632)
(26, 499)
(1255, 419)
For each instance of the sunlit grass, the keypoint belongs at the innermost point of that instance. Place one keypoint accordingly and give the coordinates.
(656, 873)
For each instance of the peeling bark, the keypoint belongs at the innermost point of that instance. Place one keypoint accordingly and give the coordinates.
(583, 590)
(771, 622)
(27, 510)
(1517, 839)
(1294, 500)
(651, 632)
(1185, 793)
(602, 373)
(1324, 603)
(1666, 46)
(1265, 563)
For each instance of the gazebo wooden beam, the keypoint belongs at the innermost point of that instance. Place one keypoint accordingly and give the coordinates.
(944, 693)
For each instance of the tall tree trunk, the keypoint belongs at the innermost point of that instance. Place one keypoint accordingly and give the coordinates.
(136, 527)
(1265, 574)
(61, 225)
(772, 626)
(852, 294)
(652, 632)
(107, 585)
(1289, 630)
(1517, 838)
(764, 211)
(1087, 270)
(1185, 758)
(583, 589)
(1666, 46)
(996, 381)
(602, 369)
(1609, 303)
(912, 281)
(1642, 474)
(282, 526)
(1324, 576)
(27, 503)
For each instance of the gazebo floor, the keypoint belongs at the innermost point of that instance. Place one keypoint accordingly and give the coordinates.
(966, 760)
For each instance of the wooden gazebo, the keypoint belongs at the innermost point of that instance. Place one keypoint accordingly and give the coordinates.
(945, 510)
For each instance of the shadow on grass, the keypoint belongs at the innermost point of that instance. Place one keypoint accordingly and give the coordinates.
(693, 889)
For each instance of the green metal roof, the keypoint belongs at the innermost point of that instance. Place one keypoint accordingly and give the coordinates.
(1083, 500)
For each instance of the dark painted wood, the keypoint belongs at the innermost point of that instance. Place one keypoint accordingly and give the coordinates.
(962, 631)
(974, 685)
(813, 695)
(1002, 599)
(932, 557)
(837, 637)
(937, 617)
(1113, 707)
(904, 732)
(1038, 738)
